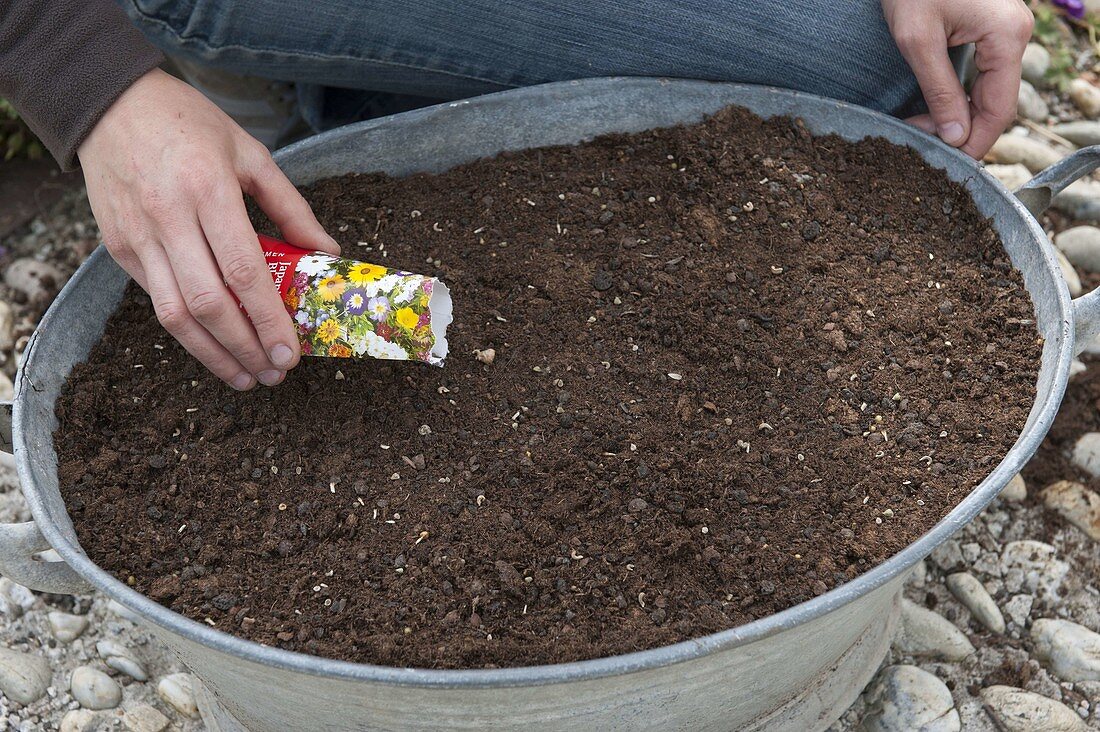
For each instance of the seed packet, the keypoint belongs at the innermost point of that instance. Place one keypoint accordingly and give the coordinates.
(348, 309)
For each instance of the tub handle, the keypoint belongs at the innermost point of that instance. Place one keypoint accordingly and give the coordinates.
(19, 543)
(1036, 195)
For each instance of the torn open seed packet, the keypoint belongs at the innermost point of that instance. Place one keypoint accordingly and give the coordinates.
(348, 309)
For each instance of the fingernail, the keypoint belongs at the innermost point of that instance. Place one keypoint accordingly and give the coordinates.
(282, 356)
(270, 378)
(242, 382)
(951, 133)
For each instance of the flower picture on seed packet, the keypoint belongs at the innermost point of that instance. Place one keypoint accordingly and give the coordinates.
(343, 308)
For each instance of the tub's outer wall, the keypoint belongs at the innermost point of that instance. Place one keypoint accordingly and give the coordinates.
(825, 663)
(749, 677)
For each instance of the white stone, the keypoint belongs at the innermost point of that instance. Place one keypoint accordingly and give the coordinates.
(1022, 711)
(948, 555)
(23, 677)
(7, 327)
(33, 278)
(1072, 650)
(1069, 274)
(122, 611)
(1076, 504)
(1081, 245)
(15, 599)
(1018, 609)
(178, 691)
(1077, 366)
(1031, 153)
(1032, 566)
(1086, 97)
(927, 634)
(905, 698)
(972, 594)
(7, 389)
(1080, 199)
(1030, 105)
(1011, 176)
(94, 689)
(67, 628)
(144, 718)
(1035, 64)
(121, 659)
(1016, 490)
(971, 551)
(83, 720)
(1083, 132)
(1086, 453)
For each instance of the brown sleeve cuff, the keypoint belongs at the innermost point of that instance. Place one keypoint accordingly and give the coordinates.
(63, 63)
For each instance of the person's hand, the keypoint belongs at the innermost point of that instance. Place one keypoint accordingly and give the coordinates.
(999, 30)
(165, 171)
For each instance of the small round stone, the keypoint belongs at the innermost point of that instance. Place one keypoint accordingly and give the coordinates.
(94, 689)
(23, 676)
(177, 690)
(65, 627)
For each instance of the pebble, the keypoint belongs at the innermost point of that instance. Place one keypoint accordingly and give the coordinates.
(1031, 153)
(7, 389)
(1032, 566)
(972, 593)
(948, 555)
(1069, 274)
(67, 628)
(121, 659)
(117, 608)
(34, 279)
(94, 689)
(1018, 609)
(1083, 132)
(144, 718)
(83, 720)
(905, 698)
(925, 633)
(1072, 650)
(177, 690)
(15, 599)
(487, 356)
(1035, 64)
(1030, 105)
(1086, 97)
(1022, 711)
(23, 676)
(1080, 199)
(1081, 245)
(1076, 504)
(1086, 453)
(1077, 366)
(7, 327)
(1016, 490)
(1011, 176)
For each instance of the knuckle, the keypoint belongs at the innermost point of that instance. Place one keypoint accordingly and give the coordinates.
(939, 97)
(910, 41)
(206, 305)
(171, 314)
(154, 202)
(241, 274)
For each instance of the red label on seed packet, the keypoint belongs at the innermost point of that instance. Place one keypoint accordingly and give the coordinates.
(347, 309)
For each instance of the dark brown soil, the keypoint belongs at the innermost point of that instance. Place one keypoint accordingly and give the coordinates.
(735, 366)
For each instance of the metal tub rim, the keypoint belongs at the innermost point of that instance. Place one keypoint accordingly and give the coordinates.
(960, 514)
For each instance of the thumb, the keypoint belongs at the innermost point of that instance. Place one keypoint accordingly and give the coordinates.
(947, 104)
(286, 208)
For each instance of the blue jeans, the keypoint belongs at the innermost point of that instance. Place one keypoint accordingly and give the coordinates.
(449, 49)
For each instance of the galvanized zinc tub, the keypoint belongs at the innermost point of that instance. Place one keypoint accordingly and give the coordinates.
(796, 670)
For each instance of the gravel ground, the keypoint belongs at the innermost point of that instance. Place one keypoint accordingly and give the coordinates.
(998, 629)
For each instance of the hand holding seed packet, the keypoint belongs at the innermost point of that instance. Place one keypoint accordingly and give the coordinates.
(347, 309)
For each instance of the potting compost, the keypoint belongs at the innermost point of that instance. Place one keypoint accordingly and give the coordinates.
(697, 375)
